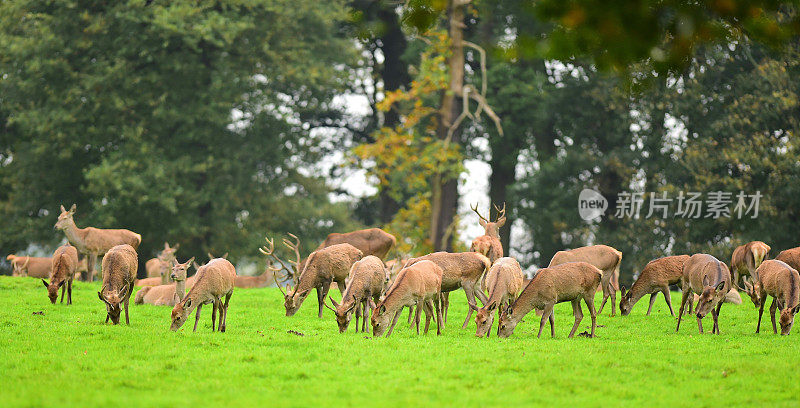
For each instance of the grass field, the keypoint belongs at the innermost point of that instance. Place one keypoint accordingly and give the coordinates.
(67, 356)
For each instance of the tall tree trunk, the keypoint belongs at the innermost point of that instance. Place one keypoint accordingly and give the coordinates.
(444, 189)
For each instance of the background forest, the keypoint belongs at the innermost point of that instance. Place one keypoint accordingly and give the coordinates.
(214, 124)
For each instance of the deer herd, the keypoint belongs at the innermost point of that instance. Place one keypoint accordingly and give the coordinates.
(376, 288)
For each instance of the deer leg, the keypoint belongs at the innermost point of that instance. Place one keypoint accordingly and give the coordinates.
(90, 264)
(652, 300)
(605, 297)
(589, 300)
(545, 317)
(428, 314)
(225, 312)
(69, 292)
(107, 316)
(716, 315)
(552, 321)
(197, 316)
(613, 294)
(394, 321)
(437, 304)
(214, 309)
(410, 316)
(667, 297)
(684, 298)
(760, 312)
(736, 278)
(127, 300)
(445, 305)
(772, 308)
(365, 316)
(700, 324)
(470, 291)
(416, 315)
(576, 310)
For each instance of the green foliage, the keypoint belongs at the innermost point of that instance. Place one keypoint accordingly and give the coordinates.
(182, 121)
(257, 362)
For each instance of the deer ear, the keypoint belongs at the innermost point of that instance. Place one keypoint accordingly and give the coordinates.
(382, 309)
(335, 304)
(721, 285)
(705, 280)
(196, 266)
(62, 283)
(501, 222)
(100, 295)
(73, 208)
(225, 255)
(44, 282)
(166, 245)
(482, 222)
(509, 310)
(796, 309)
(175, 248)
(623, 290)
(63, 210)
(188, 302)
(191, 261)
(492, 305)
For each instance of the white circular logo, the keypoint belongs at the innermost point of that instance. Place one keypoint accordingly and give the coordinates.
(591, 204)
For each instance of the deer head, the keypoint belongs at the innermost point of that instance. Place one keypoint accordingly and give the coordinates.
(168, 253)
(507, 323)
(753, 290)
(625, 303)
(113, 299)
(492, 228)
(52, 290)
(65, 218)
(180, 313)
(380, 320)
(179, 270)
(292, 299)
(710, 297)
(484, 318)
(343, 313)
(787, 319)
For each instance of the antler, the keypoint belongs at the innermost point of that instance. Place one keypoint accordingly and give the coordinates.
(294, 246)
(269, 250)
(501, 213)
(475, 208)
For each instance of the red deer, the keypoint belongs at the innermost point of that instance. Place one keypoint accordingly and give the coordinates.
(169, 294)
(366, 282)
(571, 281)
(119, 271)
(160, 265)
(31, 266)
(656, 277)
(708, 277)
(746, 259)
(93, 242)
(461, 270)
(605, 258)
(322, 267)
(64, 265)
(419, 285)
(370, 241)
(782, 282)
(260, 281)
(504, 280)
(489, 244)
(215, 280)
(791, 257)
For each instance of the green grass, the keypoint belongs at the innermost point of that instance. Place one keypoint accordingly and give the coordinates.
(69, 357)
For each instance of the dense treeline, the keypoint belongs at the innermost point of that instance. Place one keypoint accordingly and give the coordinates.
(205, 123)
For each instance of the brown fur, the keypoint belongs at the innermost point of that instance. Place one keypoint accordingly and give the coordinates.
(215, 280)
(160, 265)
(571, 281)
(94, 242)
(416, 285)
(708, 277)
(260, 281)
(31, 266)
(119, 272)
(64, 265)
(323, 266)
(791, 257)
(370, 241)
(746, 259)
(779, 280)
(656, 277)
(461, 270)
(489, 243)
(366, 281)
(504, 281)
(605, 258)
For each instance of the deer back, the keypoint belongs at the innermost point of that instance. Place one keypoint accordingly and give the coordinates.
(504, 278)
(702, 270)
(64, 263)
(216, 278)
(791, 257)
(456, 267)
(119, 267)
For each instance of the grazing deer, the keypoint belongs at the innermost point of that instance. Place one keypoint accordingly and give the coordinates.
(370, 241)
(782, 282)
(791, 257)
(656, 277)
(64, 265)
(504, 280)
(571, 281)
(489, 244)
(605, 258)
(31, 266)
(160, 265)
(322, 267)
(708, 277)
(119, 271)
(366, 282)
(746, 259)
(93, 242)
(461, 270)
(419, 285)
(214, 280)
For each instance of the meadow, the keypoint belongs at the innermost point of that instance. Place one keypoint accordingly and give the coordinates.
(57, 355)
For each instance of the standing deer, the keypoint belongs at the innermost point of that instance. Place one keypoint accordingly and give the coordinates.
(708, 277)
(31, 266)
(656, 277)
(746, 259)
(370, 241)
(605, 258)
(418, 284)
(489, 244)
(119, 271)
(461, 270)
(782, 282)
(214, 281)
(366, 282)
(322, 267)
(791, 257)
(94, 242)
(64, 265)
(571, 281)
(504, 280)
(160, 265)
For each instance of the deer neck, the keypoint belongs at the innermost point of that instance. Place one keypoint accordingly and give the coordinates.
(75, 235)
(491, 230)
(180, 289)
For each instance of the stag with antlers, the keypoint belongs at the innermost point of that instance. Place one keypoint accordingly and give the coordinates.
(321, 268)
(489, 243)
